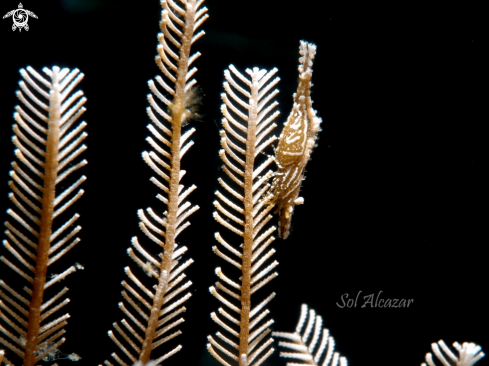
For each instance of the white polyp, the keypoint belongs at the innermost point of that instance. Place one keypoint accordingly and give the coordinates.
(299, 201)
(242, 360)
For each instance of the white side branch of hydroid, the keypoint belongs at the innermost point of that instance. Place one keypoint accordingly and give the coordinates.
(154, 314)
(309, 343)
(48, 139)
(248, 115)
(468, 354)
(296, 142)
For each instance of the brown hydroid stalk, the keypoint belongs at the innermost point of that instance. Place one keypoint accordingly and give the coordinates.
(46, 224)
(48, 138)
(178, 24)
(178, 116)
(248, 112)
(248, 228)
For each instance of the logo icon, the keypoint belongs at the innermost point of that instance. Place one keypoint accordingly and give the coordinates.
(20, 17)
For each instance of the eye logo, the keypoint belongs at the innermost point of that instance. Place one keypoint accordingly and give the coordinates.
(20, 17)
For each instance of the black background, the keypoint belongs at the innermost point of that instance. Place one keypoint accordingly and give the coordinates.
(395, 196)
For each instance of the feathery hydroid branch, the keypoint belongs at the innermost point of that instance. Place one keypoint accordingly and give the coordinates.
(47, 141)
(468, 354)
(309, 343)
(296, 142)
(153, 322)
(248, 112)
